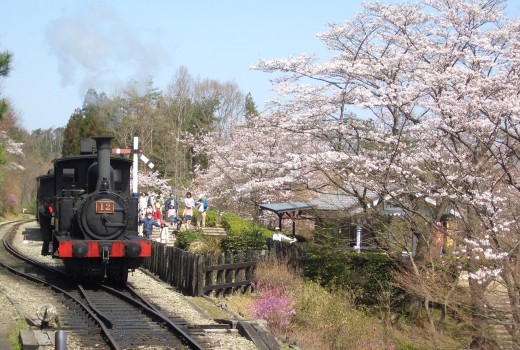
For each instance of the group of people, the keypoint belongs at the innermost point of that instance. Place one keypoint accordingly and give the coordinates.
(155, 210)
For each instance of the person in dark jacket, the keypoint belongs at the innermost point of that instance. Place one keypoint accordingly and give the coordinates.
(148, 224)
(171, 201)
(45, 219)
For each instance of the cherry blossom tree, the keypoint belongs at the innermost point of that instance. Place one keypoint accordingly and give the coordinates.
(153, 181)
(434, 89)
(254, 164)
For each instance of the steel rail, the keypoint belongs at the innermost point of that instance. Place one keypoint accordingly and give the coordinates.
(112, 342)
(150, 309)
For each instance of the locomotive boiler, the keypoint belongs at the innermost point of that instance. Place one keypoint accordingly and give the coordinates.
(88, 215)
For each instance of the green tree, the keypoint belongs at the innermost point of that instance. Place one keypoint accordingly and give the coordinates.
(71, 140)
(92, 124)
(251, 110)
(86, 122)
(5, 69)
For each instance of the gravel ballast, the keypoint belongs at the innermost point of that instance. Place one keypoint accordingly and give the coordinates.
(20, 297)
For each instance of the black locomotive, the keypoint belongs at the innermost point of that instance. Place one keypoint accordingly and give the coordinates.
(88, 215)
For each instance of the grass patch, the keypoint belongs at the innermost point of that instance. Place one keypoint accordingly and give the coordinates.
(208, 307)
(10, 312)
(14, 337)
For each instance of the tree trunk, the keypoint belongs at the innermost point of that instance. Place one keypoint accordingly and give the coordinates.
(480, 338)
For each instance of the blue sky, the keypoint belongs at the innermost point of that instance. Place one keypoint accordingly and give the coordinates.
(63, 48)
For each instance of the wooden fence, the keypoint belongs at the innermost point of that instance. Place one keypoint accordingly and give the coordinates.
(218, 275)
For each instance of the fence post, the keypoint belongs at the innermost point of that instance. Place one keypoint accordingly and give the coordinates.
(220, 274)
(248, 273)
(185, 272)
(194, 278)
(239, 272)
(209, 274)
(201, 274)
(229, 273)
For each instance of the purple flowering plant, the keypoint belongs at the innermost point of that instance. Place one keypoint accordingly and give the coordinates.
(12, 201)
(274, 306)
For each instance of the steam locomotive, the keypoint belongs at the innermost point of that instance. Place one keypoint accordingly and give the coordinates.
(88, 216)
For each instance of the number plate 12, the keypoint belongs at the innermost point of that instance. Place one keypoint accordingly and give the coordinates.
(104, 207)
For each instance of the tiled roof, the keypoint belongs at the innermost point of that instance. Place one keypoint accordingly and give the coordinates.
(330, 201)
(341, 201)
(285, 207)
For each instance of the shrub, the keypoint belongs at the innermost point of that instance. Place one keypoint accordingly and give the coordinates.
(236, 225)
(265, 232)
(274, 307)
(184, 239)
(242, 234)
(211, 218)
(205, 245)
(274, 302)
(244, 242)
(366, 276)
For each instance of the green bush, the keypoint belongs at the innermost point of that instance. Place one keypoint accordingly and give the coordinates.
(184, 239)
(265, 232)
(211, 218)
(367, 275)
(243, 242)
(235, 225)
(243, 234)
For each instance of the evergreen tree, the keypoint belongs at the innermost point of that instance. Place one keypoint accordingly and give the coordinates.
(71, 140)
(251, 110)
(92, 124)
(5, 69)
(86, 122)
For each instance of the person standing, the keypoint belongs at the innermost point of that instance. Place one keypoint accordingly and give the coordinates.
(148, 224)
(149, 210)
(189, 204)
(171, 214)
(158, 207)
(45, 219)
(143, 199)
(170, 201)
(164, 236)
(160, 197)
(151, 199)
(202, 208)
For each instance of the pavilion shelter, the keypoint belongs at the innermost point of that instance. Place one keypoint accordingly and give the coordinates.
(287, 210)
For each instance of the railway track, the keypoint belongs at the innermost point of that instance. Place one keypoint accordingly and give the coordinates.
(95, 314)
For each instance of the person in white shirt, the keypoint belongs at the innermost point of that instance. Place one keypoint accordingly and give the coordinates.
(189, 204)
(278, 236)
(164, 236)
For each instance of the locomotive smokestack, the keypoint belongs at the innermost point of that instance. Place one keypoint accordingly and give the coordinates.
(103, 154)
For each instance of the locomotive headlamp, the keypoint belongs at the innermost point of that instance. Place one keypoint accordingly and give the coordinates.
(79, 250)
(132, 250)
